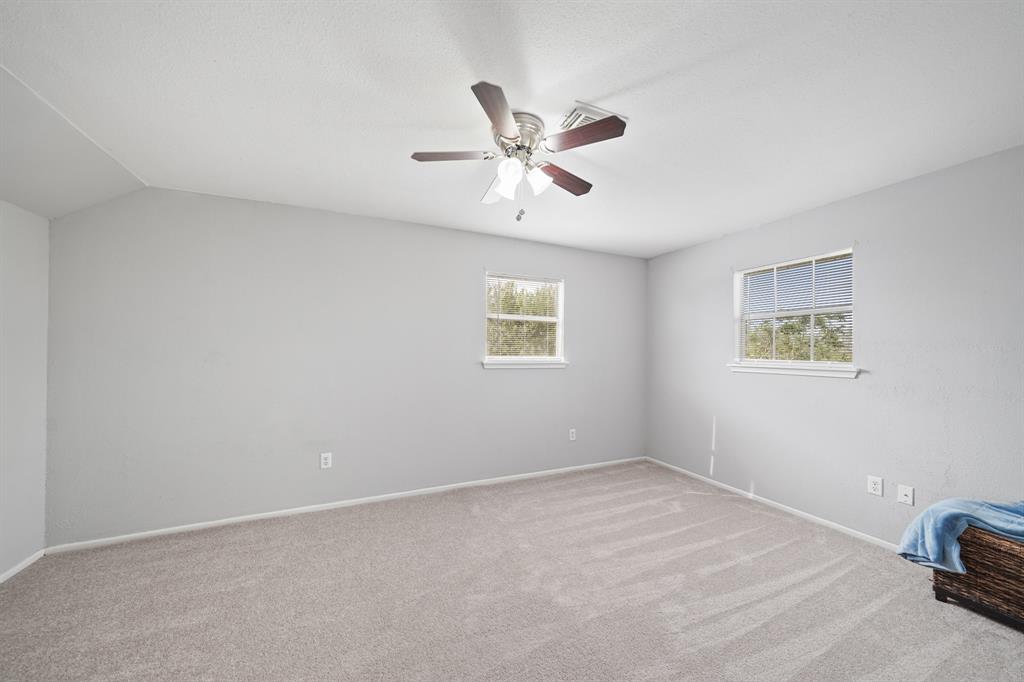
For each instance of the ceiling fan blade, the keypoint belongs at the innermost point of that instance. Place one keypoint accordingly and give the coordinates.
(492, 99)
(566, 180)
(604, 129)
(454, 156)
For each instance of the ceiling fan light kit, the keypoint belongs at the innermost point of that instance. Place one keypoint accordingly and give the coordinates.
(519, 135)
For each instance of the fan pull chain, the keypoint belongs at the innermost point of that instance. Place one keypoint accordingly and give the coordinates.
(519, 197)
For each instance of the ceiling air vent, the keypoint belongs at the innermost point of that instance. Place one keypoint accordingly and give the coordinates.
(583, 113)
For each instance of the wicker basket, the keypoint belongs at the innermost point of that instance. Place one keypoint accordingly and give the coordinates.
(994, 582)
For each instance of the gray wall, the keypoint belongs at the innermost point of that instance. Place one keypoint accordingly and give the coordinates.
(939, 293)
(205, 350)
(24, 262)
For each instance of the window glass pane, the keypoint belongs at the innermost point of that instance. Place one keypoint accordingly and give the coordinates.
(795, 291)
(759, 291)
(518, 297)
(833, 337)
(757, 339)
(833, 281)
(521, 337)
(775, 317)
(793, 337)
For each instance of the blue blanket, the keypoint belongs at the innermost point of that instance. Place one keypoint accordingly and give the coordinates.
(933, 538)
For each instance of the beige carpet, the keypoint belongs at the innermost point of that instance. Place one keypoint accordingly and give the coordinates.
(630, 572)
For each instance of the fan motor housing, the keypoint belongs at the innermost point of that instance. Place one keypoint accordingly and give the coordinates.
(531, 132)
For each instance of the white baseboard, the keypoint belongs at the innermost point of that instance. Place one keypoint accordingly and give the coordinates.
(22, 565)
(117, 539)
(772, 503)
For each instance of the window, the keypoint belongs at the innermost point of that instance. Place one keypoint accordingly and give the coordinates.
(524, 322)
(797, 317)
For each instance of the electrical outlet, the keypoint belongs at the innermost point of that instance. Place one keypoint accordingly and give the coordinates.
(572, 434)
(875, 485)
(326, 460)
(905, 494)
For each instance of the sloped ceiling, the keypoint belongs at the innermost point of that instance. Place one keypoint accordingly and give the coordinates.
(739, 113)
(48, 166)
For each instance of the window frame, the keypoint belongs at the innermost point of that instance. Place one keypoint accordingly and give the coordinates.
(557, 361)
(819, 368)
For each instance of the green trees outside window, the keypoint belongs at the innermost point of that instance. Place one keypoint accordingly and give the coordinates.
(799, 311)
(523, 317)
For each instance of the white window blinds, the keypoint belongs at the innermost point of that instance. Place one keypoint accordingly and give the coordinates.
(800, 311)
(524, 317)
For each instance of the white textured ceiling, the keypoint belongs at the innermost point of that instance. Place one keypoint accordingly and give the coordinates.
(739, 112)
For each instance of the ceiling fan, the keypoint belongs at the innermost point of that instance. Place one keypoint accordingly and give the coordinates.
(519, 135)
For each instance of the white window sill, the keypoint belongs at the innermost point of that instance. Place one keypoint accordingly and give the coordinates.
(797, 368)
(524, 363)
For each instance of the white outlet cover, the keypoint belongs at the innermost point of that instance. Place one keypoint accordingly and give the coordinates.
(326, 460)
(572, 434)
(905, 494)
(876, 486)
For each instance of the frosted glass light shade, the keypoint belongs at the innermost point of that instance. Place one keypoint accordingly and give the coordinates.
(539, 180)
(510, 171)
(507, 189)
